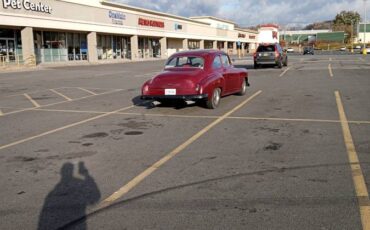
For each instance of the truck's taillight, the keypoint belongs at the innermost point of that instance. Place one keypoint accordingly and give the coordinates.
(255, 55)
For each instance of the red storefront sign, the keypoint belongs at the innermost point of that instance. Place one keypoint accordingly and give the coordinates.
(152, 23)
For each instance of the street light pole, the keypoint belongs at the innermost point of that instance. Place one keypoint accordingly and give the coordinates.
(365, 26)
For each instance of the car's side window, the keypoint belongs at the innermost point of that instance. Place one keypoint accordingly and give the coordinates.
(225, 60)
(216, 63)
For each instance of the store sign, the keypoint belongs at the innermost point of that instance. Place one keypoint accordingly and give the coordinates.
(241, 35)
(252, 37)
(117, 17)
(178, 26)
(151, 23)
(27, 5)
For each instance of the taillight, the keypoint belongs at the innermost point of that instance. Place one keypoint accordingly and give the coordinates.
(255, 55)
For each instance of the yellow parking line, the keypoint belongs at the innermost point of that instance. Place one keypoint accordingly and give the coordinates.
(88, 91)
(62, 95)
(203, 117)
(135, 181)
(1, 113)
(31, 100)
(282, 74)
(63, 128)
(330, 71)
(357, 175)
(284, 119)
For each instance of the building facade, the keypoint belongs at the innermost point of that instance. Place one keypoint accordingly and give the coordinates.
(46, 31)
(363, 33)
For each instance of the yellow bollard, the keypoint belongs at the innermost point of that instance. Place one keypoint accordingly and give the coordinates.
(364, 51)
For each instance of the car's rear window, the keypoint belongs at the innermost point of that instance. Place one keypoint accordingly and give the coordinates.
(185, 62)
(269, 48)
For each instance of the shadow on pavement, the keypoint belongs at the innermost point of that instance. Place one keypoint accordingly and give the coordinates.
(69, 199)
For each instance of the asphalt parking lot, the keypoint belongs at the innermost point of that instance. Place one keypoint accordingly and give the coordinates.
(80, 150)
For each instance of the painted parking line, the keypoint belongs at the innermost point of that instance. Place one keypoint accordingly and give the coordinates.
(64, 127)
(58, 103)
(31, 100)
(282, 74)
(135, 181)
(205, 117)
(330, 71)
(1, 113)
(60, 94)
(87, 91)
(357, 175)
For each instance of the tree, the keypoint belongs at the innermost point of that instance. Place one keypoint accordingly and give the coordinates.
(347, 21)
(347, 18)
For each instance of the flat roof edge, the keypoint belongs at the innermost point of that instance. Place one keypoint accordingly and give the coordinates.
(142, 10)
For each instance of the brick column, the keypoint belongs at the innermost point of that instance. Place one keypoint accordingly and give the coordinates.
(185, 44)
(134, 47)
(225, 47)
(201, 44)
(92, 47)
(163, 42)
(234, 48)
(214, 45)
(28, 49)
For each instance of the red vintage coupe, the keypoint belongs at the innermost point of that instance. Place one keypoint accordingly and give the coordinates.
(201, 75)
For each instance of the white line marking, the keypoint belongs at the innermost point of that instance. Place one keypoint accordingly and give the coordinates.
(282, 74)
(135, 181)
(60, 94)
(330, 71)
(62, 102)
(88, 91)
(31, 100)
(63, 128)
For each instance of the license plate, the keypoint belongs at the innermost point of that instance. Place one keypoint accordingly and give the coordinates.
(266, 54)
(170, 92)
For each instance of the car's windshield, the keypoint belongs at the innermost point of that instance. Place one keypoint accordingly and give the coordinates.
(185, 62)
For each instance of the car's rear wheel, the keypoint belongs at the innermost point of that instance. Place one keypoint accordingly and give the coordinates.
(214, 101)
(256, 66)
(243, 89)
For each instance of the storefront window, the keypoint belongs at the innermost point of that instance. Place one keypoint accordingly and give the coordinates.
(59, 46)
(149, 47)
(220, 45)
(208, 45)
(193, 45)
(10, 46)
(113, 47)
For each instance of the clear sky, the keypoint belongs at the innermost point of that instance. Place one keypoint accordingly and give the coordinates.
(254, 12)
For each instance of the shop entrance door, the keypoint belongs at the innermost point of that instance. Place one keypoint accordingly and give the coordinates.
(7, 50)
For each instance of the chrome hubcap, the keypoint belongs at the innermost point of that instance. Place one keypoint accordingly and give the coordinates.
(216, 96)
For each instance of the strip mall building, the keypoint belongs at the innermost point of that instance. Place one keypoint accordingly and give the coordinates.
(44, 31)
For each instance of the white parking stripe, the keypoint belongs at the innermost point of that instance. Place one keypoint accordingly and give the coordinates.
(330, 71)
(31, 100)
(88, 91)
(62, 95)
(282, 74)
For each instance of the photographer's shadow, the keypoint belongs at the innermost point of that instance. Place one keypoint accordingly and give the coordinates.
(68, 201)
